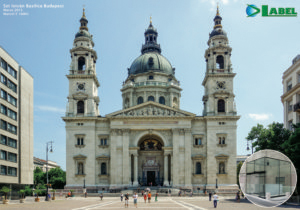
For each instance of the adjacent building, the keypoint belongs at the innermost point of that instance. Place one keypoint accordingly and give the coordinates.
(42, 164)
(291, 94)
(16, 122)
(151, 140)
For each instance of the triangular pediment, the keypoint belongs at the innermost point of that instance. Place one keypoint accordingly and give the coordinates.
(79, 157)
(80, 96)
(222, 156)
(151, 109)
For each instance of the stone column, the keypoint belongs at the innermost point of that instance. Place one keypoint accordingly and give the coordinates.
(135, 182)
(175, 158)
(166, 183)
(131, 100)
(126, 170)
(187, 157)
(113, 158)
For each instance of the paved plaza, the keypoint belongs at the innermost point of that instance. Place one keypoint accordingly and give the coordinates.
(164, 203)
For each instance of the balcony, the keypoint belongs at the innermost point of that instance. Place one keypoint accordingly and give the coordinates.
(297, 107)
(81, 72)
(148, 83)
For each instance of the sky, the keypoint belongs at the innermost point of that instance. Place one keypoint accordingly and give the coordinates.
(40, 40)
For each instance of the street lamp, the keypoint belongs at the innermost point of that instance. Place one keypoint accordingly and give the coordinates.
(248, 148)
(216, 183)
(48, 149)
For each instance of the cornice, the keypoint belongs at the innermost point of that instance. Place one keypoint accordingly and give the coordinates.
(81, 119)
(207, 75)
(290, 92)
(290, 70)
(232, 118)
(84, 76)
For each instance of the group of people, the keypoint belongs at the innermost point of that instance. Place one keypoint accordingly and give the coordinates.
(135, 198)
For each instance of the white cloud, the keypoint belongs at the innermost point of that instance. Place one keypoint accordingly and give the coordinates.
(50, 109)
(260, 117)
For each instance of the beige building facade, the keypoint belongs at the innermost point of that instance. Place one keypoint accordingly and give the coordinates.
(291, 94)
(16, 122)
(151, 141)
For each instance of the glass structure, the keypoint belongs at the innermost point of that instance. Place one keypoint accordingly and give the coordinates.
(268, 176)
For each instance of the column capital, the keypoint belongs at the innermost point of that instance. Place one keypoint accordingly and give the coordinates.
(187, 130)
(116, 132)
(125, 132)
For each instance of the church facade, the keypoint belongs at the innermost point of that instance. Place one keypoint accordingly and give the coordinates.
(151, 141)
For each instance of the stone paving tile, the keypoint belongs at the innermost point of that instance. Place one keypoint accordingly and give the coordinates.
(114, 203)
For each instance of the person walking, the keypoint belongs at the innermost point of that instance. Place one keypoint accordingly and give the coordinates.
(238, 196)
(149, 197)
(156, 195)
(126, 200)
(101, 196)
(121, 197)
(145, 197)
(135, 197)
(215, 197)
(209, 195)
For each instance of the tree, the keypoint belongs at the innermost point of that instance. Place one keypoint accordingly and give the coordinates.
(57, 178)
(39, 176)
(292, 150)
(271, 137)
(5, 190)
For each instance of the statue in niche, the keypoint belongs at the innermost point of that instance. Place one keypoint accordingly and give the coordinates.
(159, 146)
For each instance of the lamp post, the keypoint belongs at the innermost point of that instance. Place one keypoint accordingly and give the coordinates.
(248, 148)
(48, 148)
(84, 190)
(216, 183)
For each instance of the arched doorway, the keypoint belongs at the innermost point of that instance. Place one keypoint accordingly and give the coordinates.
(151, 161)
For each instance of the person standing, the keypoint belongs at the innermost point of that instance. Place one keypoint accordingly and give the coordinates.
(135, 197)
(156, 195)
(149, 197)
(126, 200)
(145, 197)
(101, 196)
(238, 196)
(121, 197)
(215, 197)
(209, 195)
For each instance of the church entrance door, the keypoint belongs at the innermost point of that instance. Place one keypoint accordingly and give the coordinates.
(151, 178)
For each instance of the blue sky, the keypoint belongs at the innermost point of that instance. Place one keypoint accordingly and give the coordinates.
(263, 48)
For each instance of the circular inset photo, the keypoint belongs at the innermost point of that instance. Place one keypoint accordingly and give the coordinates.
(268, 178)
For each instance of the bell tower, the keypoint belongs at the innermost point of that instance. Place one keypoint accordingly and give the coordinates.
(83, 99)
(218, 82)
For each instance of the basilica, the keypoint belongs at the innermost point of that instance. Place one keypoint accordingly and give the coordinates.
(151, 140)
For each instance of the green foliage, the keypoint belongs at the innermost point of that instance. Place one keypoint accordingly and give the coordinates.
(56, 177)
(5, 190)
(28, 191)
(40, 190)
(22, 193)
(238, 168)
(272, 137)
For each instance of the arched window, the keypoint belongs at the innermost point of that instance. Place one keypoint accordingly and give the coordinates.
(81, 63)
(80, 107)
(198, 168)
(221, 105)
(220, 62)
(222, 168)
(103, 168)
(140, 100)
(150, 98)
(223, 140)
(80, 168)
(162, 100)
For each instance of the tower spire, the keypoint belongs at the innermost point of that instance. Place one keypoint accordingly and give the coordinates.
(218, 19)
(83, 21)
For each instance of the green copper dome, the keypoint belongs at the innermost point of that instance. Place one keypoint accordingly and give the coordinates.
(151, 61)
(83, 33)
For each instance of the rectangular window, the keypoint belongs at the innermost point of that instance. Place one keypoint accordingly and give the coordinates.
(12, 71)
(103, 141)
(79, 141)
(12, 171)
(12, 114)
(3, 140)
(12, 157)
(12, 100)
(3, 94)
(3, 109)
(3, 170)
(3, 64)
(12, 142)
(3, 79)
(289, 85)
(12, 86)
(290, 106)
(12, 128)
(3, 125)
(3, 155)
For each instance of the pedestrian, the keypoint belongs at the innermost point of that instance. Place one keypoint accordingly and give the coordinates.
(169, 192)
(142, 192)
(149, 197)
(85, 194)
(215, 200)
(156, 197)
(60, 194)
(121, 197)
(209, 194)
(145, 197)
(135, 197)
(101, 196)
(126, 200)
(238, 196)
(69, 194)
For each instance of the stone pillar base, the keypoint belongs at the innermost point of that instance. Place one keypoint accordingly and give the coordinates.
(135, 183)
(166, 183)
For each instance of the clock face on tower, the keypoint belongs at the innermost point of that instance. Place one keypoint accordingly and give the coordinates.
(80, 86)
(221, 85)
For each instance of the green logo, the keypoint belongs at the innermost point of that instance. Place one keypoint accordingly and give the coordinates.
(252, 10)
